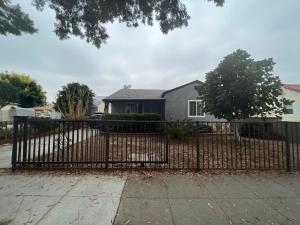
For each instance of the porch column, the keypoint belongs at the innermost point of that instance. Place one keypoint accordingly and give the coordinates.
(106, 105)
(163, 110)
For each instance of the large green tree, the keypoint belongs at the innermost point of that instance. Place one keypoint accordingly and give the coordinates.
(87, 18)
(13, 20)
(20, 89)
(8, 93)
(74, 101)
(241, 87)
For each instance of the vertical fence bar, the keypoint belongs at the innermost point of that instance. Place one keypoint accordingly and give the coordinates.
(198, 145)
(287, 148)
(167, 142)
(25, 138)
(106, 144)
(15, 144)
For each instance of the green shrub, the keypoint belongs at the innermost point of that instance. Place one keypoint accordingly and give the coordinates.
(132, 116)
(5, 222)
(180, 130)
(41, 125)
(5, 134)
(186, 129)
(259, 130)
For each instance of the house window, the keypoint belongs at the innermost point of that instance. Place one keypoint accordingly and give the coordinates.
(289, 109)
(134, 108)
(195, 108)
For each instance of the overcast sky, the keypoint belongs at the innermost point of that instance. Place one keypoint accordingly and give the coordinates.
(146, 58)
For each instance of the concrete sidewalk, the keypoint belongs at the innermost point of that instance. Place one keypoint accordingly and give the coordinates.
(34, 199)
(5, 156)
(217, 200)
(160, 199)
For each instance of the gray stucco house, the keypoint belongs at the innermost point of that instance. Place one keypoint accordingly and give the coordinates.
(179, 103)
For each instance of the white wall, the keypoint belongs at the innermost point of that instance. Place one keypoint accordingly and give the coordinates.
(292, 95)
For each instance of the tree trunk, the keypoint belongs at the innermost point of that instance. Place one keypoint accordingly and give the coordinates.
(235, 127)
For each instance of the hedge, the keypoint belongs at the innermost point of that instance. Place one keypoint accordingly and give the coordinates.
(132, 116)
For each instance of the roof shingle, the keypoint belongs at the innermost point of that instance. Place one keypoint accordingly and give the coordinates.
(292, 87)
(136, 94)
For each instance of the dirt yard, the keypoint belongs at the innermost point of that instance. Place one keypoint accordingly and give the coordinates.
(155, 151)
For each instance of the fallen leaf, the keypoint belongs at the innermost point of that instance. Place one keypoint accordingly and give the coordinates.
(210, 206)
(127, 222)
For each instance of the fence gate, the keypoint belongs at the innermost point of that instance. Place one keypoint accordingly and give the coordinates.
(88, 143)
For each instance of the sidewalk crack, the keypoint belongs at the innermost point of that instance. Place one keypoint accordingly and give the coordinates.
(165, 186)
(58, 201)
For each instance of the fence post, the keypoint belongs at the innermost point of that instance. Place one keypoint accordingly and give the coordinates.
(197, 145)
(287, 148)
(15, 144)
(106, 144)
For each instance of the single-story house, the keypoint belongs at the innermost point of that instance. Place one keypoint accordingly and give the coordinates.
(179, 103)
(292, 92)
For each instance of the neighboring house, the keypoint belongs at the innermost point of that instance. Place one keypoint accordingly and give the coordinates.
(98, 104)
(8, 112)
(292, 92)
(46, 111)
(179, 103)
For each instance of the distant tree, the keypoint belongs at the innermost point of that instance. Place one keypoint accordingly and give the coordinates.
(126, 86)
(241, 87)
(13, 20)
(8, 93)
(74, 101)
(87, 18)
(20, 89)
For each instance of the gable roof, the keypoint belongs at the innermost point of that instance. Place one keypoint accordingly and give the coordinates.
(98, 100)
(136, 94)
(143, 94)
(292, 87)
(195, 81)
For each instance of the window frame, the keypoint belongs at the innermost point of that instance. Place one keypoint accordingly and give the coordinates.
(130, 104)
(291, 107)
(196, 116)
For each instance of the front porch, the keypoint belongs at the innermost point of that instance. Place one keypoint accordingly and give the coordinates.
(137, 106)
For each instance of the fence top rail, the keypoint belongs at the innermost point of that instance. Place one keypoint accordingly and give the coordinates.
(33, 119)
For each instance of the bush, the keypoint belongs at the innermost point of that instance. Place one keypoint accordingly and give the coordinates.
(132, 116)
(258, 130)
(180, 130)
(203, 128)
(186, 129)
(5, 134)
(41, 125)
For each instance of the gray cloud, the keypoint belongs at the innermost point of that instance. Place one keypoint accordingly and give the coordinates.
(146, 58)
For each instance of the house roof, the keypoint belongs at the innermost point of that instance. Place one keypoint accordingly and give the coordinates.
(98, 100)
(136, 94)
(292, 87)
(195, 81)
(143, 94)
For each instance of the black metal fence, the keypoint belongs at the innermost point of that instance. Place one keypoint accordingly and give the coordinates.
(156, 144)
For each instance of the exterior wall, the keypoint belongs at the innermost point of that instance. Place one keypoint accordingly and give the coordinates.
(176, 105)
(292, 95)
(101, 107)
